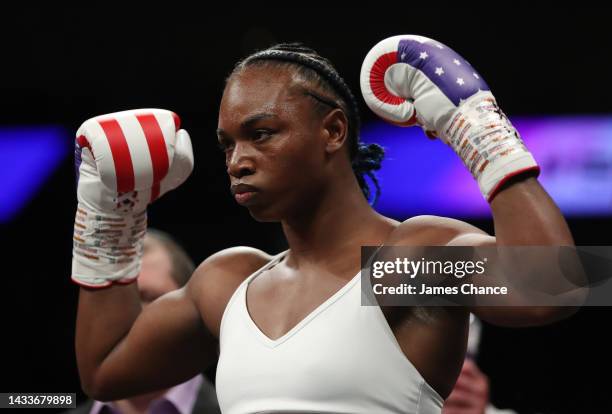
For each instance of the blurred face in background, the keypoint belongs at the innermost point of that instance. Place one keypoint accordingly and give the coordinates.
(155, 277)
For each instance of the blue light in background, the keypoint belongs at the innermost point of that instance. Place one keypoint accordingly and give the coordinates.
(420, 176)
(28, 156)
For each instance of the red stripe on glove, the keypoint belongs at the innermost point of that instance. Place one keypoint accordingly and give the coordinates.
(177, 121)
(124, 170)
(157, 150)
(83, 143)
(377, 79)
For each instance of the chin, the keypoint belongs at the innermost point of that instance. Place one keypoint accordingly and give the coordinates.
(263, 215)
(274, 209)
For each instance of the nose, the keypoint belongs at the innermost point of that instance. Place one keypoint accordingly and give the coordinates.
(240, 162)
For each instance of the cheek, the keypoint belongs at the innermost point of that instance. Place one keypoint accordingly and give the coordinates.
(298, 157)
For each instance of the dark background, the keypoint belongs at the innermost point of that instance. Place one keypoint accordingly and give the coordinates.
(64, 66)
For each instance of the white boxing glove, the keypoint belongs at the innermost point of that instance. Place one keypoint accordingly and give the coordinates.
(413, 80)
(124, 161)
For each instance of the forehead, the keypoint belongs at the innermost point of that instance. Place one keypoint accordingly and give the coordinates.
(260, 89)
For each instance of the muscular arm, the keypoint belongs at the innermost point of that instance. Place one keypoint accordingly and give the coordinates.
(523, 215)
(124, 350)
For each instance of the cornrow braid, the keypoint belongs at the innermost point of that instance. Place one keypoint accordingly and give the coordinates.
(312, 67)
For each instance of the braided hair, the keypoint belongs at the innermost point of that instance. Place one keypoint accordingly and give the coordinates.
(365, 158)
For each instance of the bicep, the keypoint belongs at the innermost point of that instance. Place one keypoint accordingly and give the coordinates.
(476, 239)
(428, 230)
(167, 344)
(508, 313)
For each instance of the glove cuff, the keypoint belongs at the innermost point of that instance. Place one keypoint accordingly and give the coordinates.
(489, 145)
(497, 174)
(107, 248)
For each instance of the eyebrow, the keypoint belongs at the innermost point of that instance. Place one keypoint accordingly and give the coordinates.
(248, 122)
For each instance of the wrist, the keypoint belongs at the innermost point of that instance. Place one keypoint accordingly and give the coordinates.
(107, 248)
(488, 144)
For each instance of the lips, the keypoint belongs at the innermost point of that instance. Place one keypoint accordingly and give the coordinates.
(243, 188)
(243, 192)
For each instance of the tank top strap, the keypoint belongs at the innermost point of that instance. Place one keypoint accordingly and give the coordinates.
(275, 259)
(273, 262)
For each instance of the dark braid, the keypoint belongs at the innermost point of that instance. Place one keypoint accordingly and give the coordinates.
(365, 159)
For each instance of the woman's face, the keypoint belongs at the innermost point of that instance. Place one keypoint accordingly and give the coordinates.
(274, 140)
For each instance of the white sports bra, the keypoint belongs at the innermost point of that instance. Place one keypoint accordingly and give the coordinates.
(341, 358)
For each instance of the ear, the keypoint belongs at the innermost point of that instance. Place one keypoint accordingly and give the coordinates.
(335, 127)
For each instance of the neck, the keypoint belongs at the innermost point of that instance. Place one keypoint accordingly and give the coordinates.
(138, 404)
(341, 219)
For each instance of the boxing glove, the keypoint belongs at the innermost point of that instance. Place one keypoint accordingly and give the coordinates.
(413, 80)
(124, 161)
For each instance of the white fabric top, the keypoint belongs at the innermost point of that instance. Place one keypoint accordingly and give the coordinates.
(341, 358)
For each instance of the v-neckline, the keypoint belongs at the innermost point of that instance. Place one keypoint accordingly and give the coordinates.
(304, 321)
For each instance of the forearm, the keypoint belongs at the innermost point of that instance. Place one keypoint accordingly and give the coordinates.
(104, 318)
(524, 214)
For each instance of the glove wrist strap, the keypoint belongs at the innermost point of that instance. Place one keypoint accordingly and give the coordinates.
(107, 248)
(489, 145)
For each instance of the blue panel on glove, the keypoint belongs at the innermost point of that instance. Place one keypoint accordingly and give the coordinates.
(443, 66)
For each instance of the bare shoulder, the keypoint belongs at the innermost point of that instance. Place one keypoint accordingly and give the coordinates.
(217, 278)
(437, 230)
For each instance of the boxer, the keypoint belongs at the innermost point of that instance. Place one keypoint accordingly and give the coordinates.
(292, 334)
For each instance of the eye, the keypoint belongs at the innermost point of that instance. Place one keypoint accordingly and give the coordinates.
(224, 147)
(262, 134)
